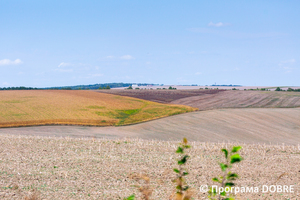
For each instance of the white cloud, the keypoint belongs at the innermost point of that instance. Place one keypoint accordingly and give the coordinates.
(64, 70)
(219, 24)
(110, 57)
(290, 61)
(198, 73)
(6, 84)
(10, 62)
(286, 65)
(96, 75)
(181, 80)
(127, 57)
(63, 64)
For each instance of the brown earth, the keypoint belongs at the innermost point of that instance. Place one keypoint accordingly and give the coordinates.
(243, 99)
(247, 125)
(161, 96)
(69, 168)
(215, 99)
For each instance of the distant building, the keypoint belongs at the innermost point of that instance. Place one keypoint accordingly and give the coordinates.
(134, 86)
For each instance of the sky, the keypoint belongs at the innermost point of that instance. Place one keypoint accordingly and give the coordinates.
(61, 43)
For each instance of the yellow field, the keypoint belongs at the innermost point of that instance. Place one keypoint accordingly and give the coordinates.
(45, 107)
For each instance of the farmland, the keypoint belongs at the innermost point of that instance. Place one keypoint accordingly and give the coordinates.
(214, 99)
(243, 99)
(162, 96)
(44, 107)
(85, 162)
(243, 125)
(68, 168)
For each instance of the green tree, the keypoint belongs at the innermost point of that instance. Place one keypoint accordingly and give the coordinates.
(278, 89)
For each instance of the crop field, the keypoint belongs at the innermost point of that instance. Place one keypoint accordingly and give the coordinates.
(162, 96)
(243, 99)
(243, 125)
(26, 108)
(215, 99)
(68, 168)
(85, 162)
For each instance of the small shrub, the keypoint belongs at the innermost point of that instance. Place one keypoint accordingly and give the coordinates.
(226, 180)
(182, 188)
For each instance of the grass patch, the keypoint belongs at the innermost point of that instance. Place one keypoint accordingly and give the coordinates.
(12, 101)
(122, 115)
(96, 107)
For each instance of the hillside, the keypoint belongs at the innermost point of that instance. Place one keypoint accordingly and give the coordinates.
(42, 107)
(247, 125)
(216, 99)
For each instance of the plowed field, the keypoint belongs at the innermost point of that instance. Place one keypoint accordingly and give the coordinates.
(162, 96)
(247, 125)
(214, 99)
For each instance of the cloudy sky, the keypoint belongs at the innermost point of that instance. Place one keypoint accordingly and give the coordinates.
(58, 43)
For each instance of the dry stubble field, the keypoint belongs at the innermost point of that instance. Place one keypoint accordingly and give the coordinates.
(68, 168)
(44, 107)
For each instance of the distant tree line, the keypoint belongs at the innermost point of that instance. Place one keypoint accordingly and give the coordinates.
(80, 87)
(104, 88)
(98, 86)
(18, 88)
(289, 89)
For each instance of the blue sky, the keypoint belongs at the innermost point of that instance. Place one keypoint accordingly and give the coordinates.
(58, 43)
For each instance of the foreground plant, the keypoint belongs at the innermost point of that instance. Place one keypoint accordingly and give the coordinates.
(226, 181)
(183, 192)
(182, 189)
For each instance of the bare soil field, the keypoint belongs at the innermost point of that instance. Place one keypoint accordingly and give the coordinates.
(161, 96)
(215, 99)
(185, 87)
(44, 107)
(66, 168)
(247, 125)
(243, 99)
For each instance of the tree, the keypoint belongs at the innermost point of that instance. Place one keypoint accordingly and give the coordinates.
(107, 87)
(278, 89)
